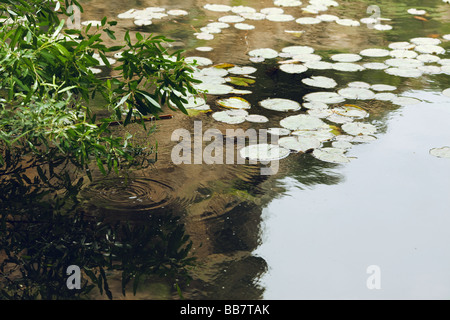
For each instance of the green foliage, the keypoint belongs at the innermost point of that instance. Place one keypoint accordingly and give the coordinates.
(50, 138)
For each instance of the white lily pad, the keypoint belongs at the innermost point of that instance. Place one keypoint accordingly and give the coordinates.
(351, 111)
(419, 41)
(320, 81)
(348, 22)
(264, 152)
(278, 131)
(280, 104)
(269, 11)
(242, 70)
(430, 69)
(177, 13)
(332, 155)
(382, 27)
(325, 97)
(359, 84)
(342, 145)
(405, 72)
(265, 53)
(218, 25)
(230, 116)
(320, 113)
(428, 58)
(374, 52)
(443, 152)
(383, 87)
(256, 118)
(401, 45)
(430, 49)
(327, 17)
(244, 26)
(318, 65)
(306, 57)
(253, 16)
(322, 134)
(231, 19)
(403, 54)
(359, 128)
(287, 3)
(301, 122)
(299, 144)
(404, 101)
(315, 105)
(339, 119)
(296, 50)
(204, 49)
(364, 138)
(217, 7)
(214, 89)
(446, 92)
(293, 68)
(357, 93)
(403, 63)
(201, 61)
(204, 36)
(346, 57)
(416, 12)
(347, 66)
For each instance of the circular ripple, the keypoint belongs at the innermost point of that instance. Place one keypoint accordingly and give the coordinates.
(128, 195)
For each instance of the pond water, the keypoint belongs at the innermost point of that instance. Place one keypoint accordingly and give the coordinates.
(314, 229)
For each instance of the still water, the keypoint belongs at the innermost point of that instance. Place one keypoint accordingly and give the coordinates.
(312, 230)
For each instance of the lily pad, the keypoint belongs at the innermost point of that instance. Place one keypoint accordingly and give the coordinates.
(320, 81)
(243, 82)
(347, 66)
(342, 145)
(375, 66)
(401, 45)
(264, 152)
(419, 41)
(256, 118)
(217, 7)
(332, 155)
(234, 103)
(374, 52)
(280, 104)
(446, 92)
(405, 72)
(346, 57)
(322, 134)
(230, 116)
(265, 53)
(318, 65)
(301, 122)
(357, 93)
(299, 144)
(293, 68)
(242, 70)
(325, 97)
(383, 87)
(403, 54)
(296, 50)
(359, 128)
(348, 22)
(351, 111)
(443, 152)
(278, 131)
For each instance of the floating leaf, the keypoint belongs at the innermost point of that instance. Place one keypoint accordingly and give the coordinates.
(359, 128)
(332, 155)
(302, 122)
(264, 152)
(443, 152)
(234, 103)
(243, 82)
(280, 104)
(230, 116)
(299, 144)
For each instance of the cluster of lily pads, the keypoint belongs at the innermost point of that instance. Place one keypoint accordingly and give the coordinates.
(317, 123)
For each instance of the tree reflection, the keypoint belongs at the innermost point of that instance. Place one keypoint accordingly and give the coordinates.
(42, 234)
